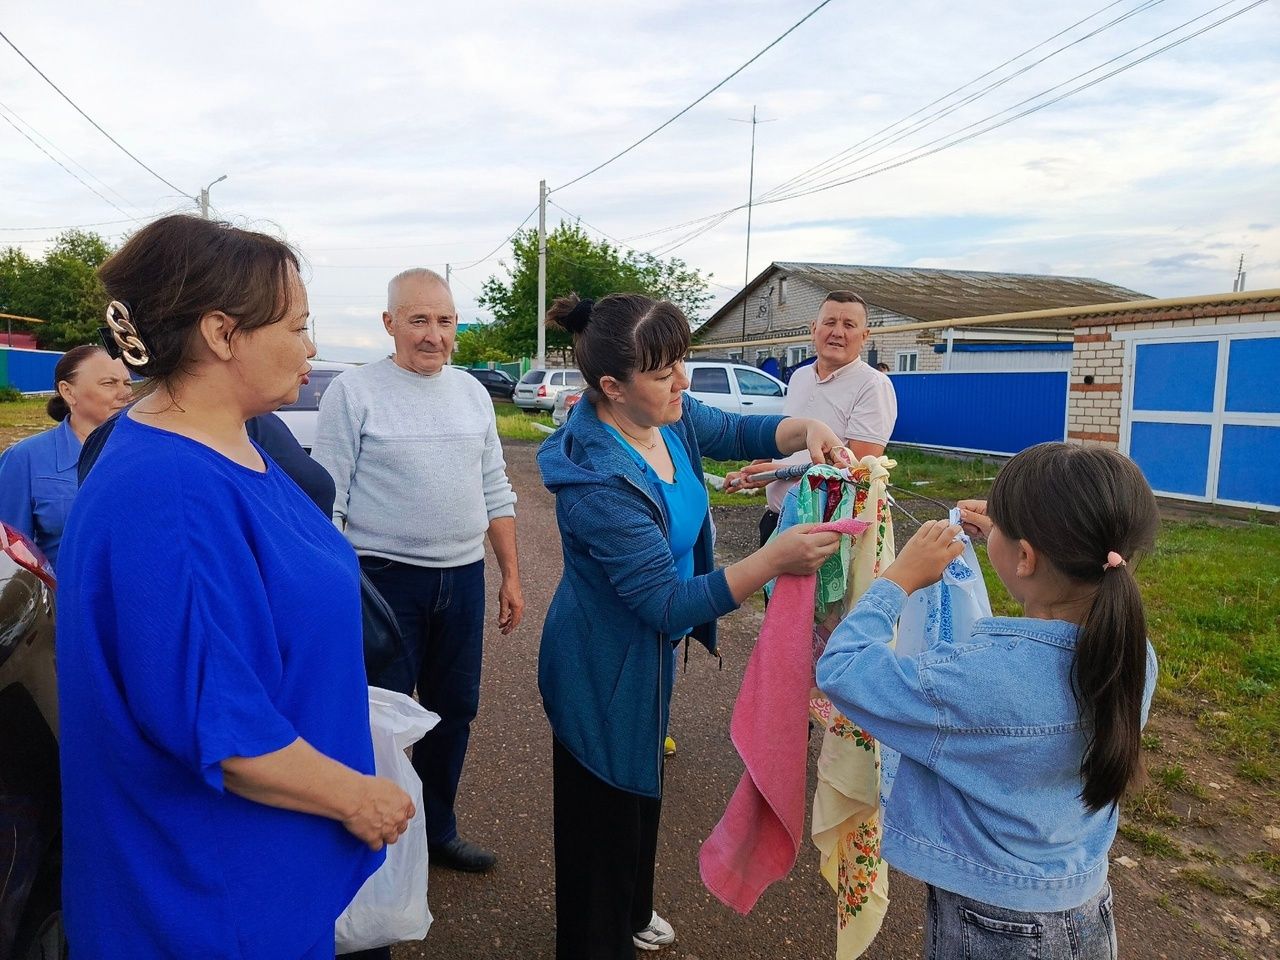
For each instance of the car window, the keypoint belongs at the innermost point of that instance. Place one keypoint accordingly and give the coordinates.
(754, 384)
(709, 380)
(533, 376)
(557, 379)
(309, 395)
(573, 378)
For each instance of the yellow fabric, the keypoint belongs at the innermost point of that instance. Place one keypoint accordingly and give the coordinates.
(846, 803)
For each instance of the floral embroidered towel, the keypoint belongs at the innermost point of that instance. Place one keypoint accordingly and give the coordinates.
(757, 839)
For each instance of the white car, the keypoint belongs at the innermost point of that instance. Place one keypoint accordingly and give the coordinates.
(537, 389)
(735, 387)
(301, 415)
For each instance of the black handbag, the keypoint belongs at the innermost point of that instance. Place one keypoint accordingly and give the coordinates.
(386, 656)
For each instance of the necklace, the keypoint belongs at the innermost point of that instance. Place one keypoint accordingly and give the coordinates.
(644, 443)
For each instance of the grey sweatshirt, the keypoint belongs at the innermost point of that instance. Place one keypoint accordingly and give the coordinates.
(416, 462)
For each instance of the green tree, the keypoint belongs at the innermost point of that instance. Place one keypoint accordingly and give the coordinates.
(576, 263)
(61, 288)
(479, 343)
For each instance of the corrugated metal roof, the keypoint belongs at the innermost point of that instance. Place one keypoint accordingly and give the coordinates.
(932, 294)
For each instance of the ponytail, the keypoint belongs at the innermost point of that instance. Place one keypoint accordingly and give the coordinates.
(1084, 509)
(1108, 678)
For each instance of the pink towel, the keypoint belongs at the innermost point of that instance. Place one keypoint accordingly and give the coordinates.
(758, 838)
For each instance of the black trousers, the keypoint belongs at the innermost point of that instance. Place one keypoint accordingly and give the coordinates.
(768, 524)
(606, 844)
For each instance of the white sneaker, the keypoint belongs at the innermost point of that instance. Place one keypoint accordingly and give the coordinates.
(657, 934)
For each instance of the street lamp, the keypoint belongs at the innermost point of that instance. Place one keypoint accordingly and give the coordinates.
(204, 197)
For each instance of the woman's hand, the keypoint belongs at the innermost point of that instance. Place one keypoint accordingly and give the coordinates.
(748, 477)
(382, 812)
(820, 441)
(974, 519)
(925, 556)
(798, 551)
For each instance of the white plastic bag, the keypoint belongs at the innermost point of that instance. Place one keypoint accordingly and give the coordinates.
(392, 904)
(941, 613)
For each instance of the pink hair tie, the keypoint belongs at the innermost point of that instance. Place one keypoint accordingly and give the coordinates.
(1113, 560)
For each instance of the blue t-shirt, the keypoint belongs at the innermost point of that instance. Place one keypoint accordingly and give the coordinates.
(684, 499)
(205, 611)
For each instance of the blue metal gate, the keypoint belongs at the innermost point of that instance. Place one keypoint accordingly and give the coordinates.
(1203, 419)
(1000, 413)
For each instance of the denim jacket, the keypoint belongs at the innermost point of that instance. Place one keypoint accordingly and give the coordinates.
(986, 802)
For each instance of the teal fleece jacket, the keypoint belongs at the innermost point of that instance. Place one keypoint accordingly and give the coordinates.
(607, 662)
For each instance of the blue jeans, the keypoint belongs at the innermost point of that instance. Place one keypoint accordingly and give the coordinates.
(957, 928)
(441, 614)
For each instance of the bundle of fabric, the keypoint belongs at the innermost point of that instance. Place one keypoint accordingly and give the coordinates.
(757, 840)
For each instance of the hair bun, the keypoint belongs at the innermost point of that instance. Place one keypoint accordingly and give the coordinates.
(576, 320)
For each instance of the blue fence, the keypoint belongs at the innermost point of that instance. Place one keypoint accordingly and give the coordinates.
(1001, 413)
(30, 371)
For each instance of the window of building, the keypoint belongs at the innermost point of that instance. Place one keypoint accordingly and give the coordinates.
(709, 380)
(752, 384)
(907, 360)
(782, 291)
(735, 355)
(797, 354)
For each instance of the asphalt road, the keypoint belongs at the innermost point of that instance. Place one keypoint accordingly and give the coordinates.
(505, 804)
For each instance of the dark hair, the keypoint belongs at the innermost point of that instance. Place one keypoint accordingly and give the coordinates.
(844, 296)
(178, 269)
(67, 367)
(621, 334)
(1075, 505)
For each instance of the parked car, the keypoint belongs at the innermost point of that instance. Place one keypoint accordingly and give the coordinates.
(30, 793)
(500, 384)
(537, 389)
(566, 400)
(301, 415)
(735, 387)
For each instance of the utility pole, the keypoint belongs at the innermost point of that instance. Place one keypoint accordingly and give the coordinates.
(448, 274)
(751, 190)
(204, 197)
(1238, 285)
(541, 361)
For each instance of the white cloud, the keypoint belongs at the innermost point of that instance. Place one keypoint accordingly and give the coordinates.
(377, 136)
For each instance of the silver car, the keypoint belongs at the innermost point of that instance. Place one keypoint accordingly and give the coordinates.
(537, 389)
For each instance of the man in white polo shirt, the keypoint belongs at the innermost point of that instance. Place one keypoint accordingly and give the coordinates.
(840, 389)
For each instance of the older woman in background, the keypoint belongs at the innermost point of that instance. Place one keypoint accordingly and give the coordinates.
(38, 474)
(218, 796)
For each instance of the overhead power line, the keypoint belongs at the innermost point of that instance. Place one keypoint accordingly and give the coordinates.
(84, 183)
(66, 226)
(511, 236)
(870, 145)
(710, 221)
(666, 123)
(95, 124)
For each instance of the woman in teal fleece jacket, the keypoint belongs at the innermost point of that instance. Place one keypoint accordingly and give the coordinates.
(639, 574)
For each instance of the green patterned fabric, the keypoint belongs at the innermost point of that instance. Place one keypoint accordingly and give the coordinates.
(833, 575)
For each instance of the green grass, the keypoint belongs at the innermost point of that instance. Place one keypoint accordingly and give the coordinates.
(1268, 861)
(1206, 881)
(1152, 842)
(939, 477)
(515, 424)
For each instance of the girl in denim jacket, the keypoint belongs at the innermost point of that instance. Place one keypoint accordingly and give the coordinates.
(1019, 740)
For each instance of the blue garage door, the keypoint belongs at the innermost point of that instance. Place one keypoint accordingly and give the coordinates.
(1204, 417)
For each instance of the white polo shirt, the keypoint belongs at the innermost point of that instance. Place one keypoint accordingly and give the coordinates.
(857, 402)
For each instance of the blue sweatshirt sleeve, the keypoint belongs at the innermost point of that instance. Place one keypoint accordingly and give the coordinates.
(728, 436)
(624, 539)
(887, 695)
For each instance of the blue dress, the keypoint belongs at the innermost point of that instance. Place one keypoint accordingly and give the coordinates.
(38, 484)
(205, 611)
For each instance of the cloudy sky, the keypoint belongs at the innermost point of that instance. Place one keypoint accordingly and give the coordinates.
(378, 136)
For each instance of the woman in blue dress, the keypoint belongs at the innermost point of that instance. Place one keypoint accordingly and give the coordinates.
(218, 796)
(38, 474)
